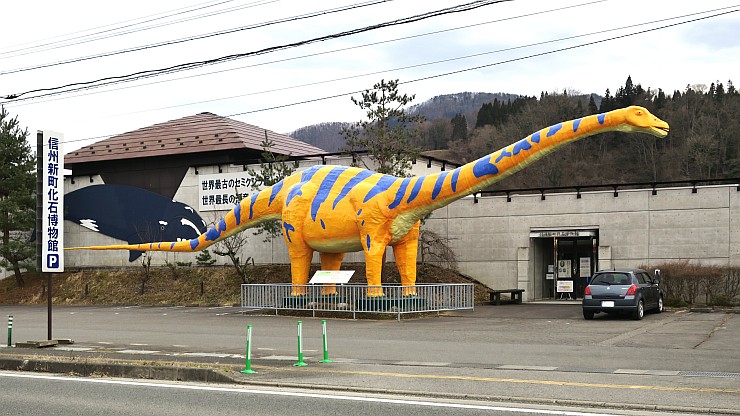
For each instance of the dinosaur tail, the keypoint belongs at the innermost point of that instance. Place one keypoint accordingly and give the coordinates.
(259, 207)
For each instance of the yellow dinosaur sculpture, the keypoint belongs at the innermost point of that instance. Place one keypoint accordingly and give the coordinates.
(339, 209)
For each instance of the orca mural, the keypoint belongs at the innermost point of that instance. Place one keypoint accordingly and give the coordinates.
(132, 214)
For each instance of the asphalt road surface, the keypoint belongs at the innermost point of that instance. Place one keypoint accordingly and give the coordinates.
(29, 394)
(529, 352)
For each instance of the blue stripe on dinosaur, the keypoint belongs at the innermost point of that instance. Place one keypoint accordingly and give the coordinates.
(322, 224)
(367, 241)
(288, 229)
(325, 188)
(521, 145)
(576, 123)
(307, 174)
(438, 185)
(215, 232)
(400, 193)
(294, 192)
(275, 190)
(194, 243)
(415, 190)
(361, 176)
(554, 129)
(383, 184)
(252, 200)
(151, 245)
(504, 153)
(484, 167)
(359, 212)
(172, 246)
(535, 137)
(601, 117)
(455, 175)
(238, 212)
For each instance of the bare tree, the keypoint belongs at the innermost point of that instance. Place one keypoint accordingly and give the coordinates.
(434, 248)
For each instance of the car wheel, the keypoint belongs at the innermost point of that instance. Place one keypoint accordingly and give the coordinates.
(588, 314)
(660, 304)
(639, 310)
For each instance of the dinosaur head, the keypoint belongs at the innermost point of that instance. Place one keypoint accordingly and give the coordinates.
(640, 120)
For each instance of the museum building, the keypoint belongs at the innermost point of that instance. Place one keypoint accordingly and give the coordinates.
(547, 242)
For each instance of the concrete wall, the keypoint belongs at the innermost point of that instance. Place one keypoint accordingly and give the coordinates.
(492, 237)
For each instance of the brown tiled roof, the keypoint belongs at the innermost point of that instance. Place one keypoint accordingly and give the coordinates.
(202, 132)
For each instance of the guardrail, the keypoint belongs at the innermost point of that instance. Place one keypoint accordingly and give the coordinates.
(353, 298)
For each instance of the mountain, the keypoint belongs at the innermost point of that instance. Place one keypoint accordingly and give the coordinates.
(323, 135)
(449, 105)
(326, 135)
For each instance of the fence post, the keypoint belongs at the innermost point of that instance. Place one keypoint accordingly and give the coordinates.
(326, 347)
(300, 362)
(10, 331)
(248, 362)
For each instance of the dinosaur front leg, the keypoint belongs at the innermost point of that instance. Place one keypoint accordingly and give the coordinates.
(405, 252)
(330, 261)
(300, 258)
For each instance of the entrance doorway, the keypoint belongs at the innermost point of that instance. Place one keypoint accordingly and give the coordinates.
(564, 261)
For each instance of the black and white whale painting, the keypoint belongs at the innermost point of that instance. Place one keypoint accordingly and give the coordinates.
(132, 214)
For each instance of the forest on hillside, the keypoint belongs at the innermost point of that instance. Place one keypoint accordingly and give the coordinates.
(703, 144)
(704, 141)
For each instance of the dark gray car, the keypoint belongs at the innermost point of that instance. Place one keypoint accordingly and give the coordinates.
(629, 290)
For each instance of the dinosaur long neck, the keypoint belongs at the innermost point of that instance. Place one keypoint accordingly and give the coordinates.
(434, 191)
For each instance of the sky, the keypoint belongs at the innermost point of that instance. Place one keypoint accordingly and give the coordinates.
(520, 47)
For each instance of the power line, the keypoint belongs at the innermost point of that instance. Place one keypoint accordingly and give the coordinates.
(196, 37)
(82, 38)
(335, 50)
(530, 56)
(192, 65)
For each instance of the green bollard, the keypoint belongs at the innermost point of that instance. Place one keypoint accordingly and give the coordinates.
(10, 331)
(326, 348)
(248, 362)
(300, 362)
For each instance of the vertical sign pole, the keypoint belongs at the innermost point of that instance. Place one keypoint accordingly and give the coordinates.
(50, 210)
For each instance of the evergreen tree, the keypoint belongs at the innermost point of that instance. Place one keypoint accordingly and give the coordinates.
(17, 197)
(592, 108)
(273, 168)
(459, 128)
(388, 132)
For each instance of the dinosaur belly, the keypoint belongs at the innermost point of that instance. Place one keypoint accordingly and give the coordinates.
(337, 236)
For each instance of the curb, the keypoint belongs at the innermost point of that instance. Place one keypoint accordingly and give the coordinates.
(210, 375)
(121, 370)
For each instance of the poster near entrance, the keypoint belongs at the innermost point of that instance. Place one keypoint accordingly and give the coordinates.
(565, 286)
(584, 267)
(564, 269)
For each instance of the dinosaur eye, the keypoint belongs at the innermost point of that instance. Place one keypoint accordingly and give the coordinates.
(639, 112)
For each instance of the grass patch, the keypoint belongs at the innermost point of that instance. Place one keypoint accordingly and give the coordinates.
(186, 286)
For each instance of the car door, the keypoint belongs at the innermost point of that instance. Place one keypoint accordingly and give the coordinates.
(650, 291)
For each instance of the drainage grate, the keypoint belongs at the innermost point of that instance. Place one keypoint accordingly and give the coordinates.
(709, 374)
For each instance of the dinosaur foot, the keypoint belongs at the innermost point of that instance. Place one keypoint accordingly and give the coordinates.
(375, 291)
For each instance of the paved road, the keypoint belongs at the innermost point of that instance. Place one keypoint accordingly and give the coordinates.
(27, 394)
(545, 352)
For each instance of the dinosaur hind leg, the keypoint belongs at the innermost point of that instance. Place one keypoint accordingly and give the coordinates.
(330, 261)
(405, 253)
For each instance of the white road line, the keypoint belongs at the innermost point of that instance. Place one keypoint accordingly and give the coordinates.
(308, 395)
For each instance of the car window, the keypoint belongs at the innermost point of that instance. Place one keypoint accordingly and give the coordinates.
(611, 279)
(647, 278)
(640, 278)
